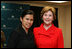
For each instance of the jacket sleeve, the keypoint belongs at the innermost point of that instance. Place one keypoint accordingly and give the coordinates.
(12, 41)
(60, 40)
(35, 36)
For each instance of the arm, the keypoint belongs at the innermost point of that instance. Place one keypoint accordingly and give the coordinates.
(12, 41)
(60, 40)
(34, 32)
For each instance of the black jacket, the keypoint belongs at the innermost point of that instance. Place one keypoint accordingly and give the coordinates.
(19, 39)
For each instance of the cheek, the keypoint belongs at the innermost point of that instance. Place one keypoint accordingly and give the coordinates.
(43, 18)
(24, 22)
(31, 22)
(51, 18)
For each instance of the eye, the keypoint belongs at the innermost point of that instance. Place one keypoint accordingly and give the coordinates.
(45, 14)
(31, 19)
(27, 18)
(50, 15)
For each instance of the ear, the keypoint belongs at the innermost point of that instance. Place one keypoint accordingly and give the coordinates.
(21, 19)
(53, 19)
(42, 18)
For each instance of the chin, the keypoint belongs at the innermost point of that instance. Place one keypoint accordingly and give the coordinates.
(47, 23)
(28, 27)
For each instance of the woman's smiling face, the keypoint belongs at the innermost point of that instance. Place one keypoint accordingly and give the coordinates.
(27, 21)
(48, 17)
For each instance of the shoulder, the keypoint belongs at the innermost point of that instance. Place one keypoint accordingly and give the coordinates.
(36, 29)
(16, 31)
(56, 28)
(59, 31)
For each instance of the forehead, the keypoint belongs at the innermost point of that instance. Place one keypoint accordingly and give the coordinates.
(48, 12)
(30, 16)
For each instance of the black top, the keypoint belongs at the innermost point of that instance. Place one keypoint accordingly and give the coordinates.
(19, 39)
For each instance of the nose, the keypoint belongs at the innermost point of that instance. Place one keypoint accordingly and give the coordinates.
(47, 17)
(29, 21)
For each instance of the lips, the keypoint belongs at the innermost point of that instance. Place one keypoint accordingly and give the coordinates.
(28, 25)
(47, 20)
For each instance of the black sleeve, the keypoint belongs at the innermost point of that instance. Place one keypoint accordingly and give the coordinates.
(12, 41)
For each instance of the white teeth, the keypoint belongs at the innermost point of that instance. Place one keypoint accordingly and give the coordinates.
(47, 20)
(28, 24)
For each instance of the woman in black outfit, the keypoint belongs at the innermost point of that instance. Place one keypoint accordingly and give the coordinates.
(22, 36)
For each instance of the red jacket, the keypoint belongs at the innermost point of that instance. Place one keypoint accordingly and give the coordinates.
(51, 38)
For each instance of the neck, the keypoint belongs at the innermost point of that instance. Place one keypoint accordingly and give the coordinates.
(26, 29)
(47, 26)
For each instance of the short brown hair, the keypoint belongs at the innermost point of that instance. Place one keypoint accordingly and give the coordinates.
(48, 8)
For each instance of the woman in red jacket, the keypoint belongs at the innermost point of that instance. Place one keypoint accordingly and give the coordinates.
(47, 35)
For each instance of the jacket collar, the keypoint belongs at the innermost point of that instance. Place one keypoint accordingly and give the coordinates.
(46, 32)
